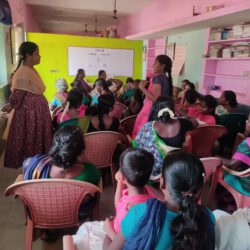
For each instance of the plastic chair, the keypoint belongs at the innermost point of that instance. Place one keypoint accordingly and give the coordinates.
(127, 124)
(239, 138)
(240, 199)
(118, 110)
(100, 148)
(235, 123)
(200, 141)
(68, 243)
(50, 203)
(211, 164)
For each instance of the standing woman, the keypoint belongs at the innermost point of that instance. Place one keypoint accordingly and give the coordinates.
(80, 77)
(30, 129)
(160, 85)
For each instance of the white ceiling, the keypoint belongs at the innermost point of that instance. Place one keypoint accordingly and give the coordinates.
(70, 16)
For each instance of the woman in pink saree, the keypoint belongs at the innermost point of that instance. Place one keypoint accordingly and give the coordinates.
(160, 85)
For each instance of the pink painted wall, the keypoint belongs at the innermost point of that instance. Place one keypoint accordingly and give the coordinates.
(162, 12)
(22, 13)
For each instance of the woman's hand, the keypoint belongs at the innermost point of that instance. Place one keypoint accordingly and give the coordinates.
(118, 176)
(142, 84)
(109, 227)
(6, 108)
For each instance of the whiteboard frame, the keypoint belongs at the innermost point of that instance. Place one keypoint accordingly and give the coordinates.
(102, 48)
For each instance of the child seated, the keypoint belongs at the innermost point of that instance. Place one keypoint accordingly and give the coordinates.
(190, 107)
(135, 169)
(208, 105)
(86, 97)
(60, 97)
(73, 108)
(129, 90)
(179, 222)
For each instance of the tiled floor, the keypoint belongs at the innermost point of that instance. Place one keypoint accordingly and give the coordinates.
(12, 232)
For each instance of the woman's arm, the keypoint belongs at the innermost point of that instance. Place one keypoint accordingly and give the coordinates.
(116, 244)
(155, 92)
(16, 98)
(120, 186)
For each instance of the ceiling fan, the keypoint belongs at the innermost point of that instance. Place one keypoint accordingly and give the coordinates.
(115, 11)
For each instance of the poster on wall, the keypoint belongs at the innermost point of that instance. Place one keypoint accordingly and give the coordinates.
(170, 50)
(179, 59)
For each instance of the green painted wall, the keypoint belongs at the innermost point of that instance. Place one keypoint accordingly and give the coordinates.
(195, 44)
(54, 58)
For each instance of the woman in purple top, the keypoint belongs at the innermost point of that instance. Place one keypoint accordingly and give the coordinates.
(80, 77)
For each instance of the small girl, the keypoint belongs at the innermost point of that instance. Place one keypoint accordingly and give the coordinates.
(178, 223)
(86, 97)
(135, 169)
(73, 108)
(60, 97)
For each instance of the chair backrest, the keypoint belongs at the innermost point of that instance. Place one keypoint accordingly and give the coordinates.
(127, 124)
(101, 145)
(239, 138)
(118, 109)
(201, 140)
(211, 164)
(52, 203)
(235, 123)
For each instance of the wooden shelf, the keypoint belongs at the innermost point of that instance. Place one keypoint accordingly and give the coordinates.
(229, 76)
(230, 58)
(243, 39)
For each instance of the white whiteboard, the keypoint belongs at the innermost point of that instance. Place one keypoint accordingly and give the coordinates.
(116, 62)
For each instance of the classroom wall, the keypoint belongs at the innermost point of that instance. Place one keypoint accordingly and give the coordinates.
(54, 59)
(22, 13)
(195, 46)
(160, 13)
(3, 66)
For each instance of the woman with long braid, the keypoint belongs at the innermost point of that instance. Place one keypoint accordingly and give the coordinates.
(160, 85)
(30, 129)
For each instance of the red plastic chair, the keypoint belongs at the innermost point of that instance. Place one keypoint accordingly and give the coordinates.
(100, 148)
(127, 124)
(200, 141)
(118, 110)
(211, 164)
(240, 199)
(50, 203)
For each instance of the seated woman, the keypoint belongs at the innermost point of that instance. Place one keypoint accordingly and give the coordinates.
(97, 117)
(60, 97)
(80, 77)
(190, 106)
(208, 105)
(73, 108)
(162, 134)
(176, 223)
(86, 97)
(227, 103)
(101, 88)
(65, 159)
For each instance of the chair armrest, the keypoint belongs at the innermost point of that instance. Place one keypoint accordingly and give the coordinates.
(237, 173)
(68, 243)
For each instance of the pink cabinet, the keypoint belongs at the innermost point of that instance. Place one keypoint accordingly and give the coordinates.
(231, 72)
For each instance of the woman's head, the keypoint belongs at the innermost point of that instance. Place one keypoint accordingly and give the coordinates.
(183, 176)
(208, 104)
(184, 83)
(61, 85)
(80, 74)
(101, 85)
(75, 98)
(28, 53)
(228, 98)
(136, 166)
(102, 75)
(189, 85)
(162, 109)
(191, 96)
(67, 147)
